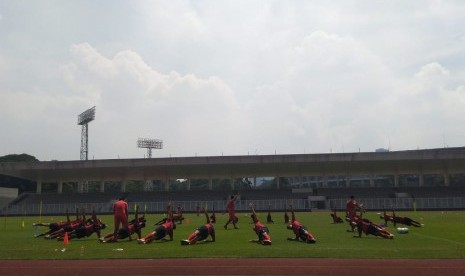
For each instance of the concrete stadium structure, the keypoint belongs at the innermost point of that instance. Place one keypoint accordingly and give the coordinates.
(445, 162)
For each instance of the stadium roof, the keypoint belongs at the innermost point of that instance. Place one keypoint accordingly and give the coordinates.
(430, 161)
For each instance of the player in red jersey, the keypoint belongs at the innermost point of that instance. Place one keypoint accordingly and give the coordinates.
(54, 226)
(299, 230)
(336, 219)
(162, 230)
(260, 229)
(402, 220)
(351, 212)
(120, 212)
(178, 217)
(231, 209)
(135, 227)
(80, 220)
(93, 225)
(201, 233)
(371, 228)
(351, 207)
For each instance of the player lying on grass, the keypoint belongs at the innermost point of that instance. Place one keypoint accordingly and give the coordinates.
(260, 229)
(93, 225)
(201, 233)
(335, 218)
(300, 231)
(402, 220)
(162, 230)
(54, 226)
(81, 220)
(370, 228)
(135, 227)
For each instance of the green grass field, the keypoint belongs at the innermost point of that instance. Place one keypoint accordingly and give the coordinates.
(443, 236)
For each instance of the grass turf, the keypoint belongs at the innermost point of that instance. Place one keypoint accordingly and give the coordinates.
(443, 236)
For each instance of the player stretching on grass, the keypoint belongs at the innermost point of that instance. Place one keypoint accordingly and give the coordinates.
(300, 231)
(201, 233)
(260, 229)
(93, 225)
(336, 219)
(231, 209)
(53, 227)
(370, 228)
(161, 231)
(402, 220)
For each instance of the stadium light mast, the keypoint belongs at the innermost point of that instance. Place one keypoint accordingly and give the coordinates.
(149, 144)
(84, 119)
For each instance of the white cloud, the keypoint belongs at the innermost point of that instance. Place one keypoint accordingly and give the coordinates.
(134, 100)
(231, 77)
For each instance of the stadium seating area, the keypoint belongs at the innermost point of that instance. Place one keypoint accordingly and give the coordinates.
(252, 194)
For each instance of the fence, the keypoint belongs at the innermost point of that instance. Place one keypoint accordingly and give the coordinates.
(457, 203)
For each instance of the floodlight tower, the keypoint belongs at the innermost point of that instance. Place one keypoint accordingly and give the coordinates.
(149, 144)
(84, 119)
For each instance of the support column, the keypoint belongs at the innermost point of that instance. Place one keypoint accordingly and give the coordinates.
(231, 182)
(372, 180)
(446, 179)
(396, 180)
(347, 180)
(39, 187)
(277, 182)
(325, 181)
(421, 179)
(60, 187)
(167, 184)
(123, 186)
(188, 184)
(80, 187)
(255, 182)
(102, 186)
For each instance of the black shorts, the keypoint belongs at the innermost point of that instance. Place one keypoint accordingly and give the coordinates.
(261, 232)
(81, 232)
(372, 230)
(203, 233)
(54, 227)
(160, 233)
(123, 233)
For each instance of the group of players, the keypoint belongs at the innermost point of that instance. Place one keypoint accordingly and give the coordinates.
(366, 226)
(82, 227)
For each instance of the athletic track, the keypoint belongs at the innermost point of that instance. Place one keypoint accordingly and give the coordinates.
(321, 267)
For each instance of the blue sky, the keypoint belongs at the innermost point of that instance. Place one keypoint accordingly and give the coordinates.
(231, 77)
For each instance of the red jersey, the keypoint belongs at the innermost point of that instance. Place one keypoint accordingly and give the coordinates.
(259, 226)
(351, 208)
(210, 228)
(120, 208)
(231, 207)
(168, 225)
(296, 226)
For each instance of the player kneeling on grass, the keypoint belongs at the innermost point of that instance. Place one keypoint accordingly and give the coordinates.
(161, 231)
(201, 233)
(260, 229)
(300, 231)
